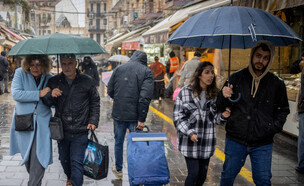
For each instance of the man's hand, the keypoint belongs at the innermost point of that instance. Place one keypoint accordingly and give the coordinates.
(44, 91)
(194, 138)
(140, 125)
(56, 92)
(91, 126)
(227, 91)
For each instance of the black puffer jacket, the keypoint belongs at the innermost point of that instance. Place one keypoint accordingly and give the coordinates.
(131, 87)
(82, 108)
(254, 121)
(90, 69)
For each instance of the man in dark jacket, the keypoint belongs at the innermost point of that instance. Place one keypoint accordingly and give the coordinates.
(255, 118)
(79, 111)
(89, 67)
(131, 88)
(3, 73)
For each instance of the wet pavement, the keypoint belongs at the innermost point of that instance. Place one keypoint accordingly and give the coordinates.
(159, 120)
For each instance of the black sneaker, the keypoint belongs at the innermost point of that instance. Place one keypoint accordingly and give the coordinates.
(301, 171)
(1, 92)
(6, 91)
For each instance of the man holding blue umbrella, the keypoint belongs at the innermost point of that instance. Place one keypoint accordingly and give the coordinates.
(259, 114)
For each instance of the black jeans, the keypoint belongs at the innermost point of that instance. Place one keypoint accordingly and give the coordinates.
(197, 171)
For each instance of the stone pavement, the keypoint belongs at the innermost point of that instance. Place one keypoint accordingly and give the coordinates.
(11, 173)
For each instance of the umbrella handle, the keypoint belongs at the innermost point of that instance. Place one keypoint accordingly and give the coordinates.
(235, 100)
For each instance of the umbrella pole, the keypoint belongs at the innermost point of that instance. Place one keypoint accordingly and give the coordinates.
(57, 65)
(279, 63)
(229, 62)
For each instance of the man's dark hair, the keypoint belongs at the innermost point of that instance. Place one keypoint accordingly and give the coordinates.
(3, 53)
(172, 54)
(198, 54)
(264, 47)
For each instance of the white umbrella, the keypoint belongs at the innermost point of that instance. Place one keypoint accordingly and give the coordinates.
(119, 58)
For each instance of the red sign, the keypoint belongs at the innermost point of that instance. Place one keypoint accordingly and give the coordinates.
(130, 46)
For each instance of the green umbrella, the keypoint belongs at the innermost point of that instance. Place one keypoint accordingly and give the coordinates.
(57, 44)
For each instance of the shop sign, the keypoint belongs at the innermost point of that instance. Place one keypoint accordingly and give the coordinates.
(130, 46)
(156, 38)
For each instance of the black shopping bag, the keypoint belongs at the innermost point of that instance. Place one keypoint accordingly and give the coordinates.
(96, 159)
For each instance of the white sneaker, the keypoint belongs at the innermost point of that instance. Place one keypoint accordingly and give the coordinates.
(155, 101)
(118, 174)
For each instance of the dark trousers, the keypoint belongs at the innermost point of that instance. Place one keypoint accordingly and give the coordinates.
(34, 168)
(71, 153)
(197, 171)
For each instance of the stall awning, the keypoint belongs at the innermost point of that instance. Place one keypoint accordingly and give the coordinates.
(270, 5)
(119, 40)
(164, 26)
(12, 33)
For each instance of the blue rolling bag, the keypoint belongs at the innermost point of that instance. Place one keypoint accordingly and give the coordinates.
(147, 163)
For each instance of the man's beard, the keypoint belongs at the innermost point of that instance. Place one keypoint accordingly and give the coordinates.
(259, 70)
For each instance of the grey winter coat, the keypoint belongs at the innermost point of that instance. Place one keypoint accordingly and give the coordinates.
(131, 87)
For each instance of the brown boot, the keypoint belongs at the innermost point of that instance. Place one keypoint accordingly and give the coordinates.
(69, 183)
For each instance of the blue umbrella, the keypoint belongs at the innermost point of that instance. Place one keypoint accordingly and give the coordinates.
(213, 29)
(233, 27)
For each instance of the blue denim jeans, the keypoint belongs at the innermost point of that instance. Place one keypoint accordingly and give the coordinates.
(71, 153)
(301, 142)
(120, 128)
(235, 157)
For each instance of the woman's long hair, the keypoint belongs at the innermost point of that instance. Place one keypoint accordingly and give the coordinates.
(212, 89)
(43, 59)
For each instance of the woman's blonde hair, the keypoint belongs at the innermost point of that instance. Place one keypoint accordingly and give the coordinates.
(44, 60)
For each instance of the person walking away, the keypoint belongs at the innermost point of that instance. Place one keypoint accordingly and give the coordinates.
(4, 73)
(28, 86)
(194, 117)
(158, 70)
(79, 112)
(89, 67)
(172, 64)
(300, 166)
(131, 88)
(298, 65)
(188, 70)
(259, 114)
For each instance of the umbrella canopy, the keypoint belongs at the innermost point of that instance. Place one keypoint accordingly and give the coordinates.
(213, 29)
(119, 58)
(56, 43)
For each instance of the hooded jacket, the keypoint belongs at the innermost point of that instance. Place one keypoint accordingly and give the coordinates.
(90, 69)
(263, 108)
(131, 87)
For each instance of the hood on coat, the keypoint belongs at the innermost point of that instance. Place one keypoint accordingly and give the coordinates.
(139, 56)
(87, 58)
(256, 79)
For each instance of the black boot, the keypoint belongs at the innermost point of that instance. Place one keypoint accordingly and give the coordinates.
(6, 91)
(1, 92)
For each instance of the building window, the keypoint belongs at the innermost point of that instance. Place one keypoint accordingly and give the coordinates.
(151, 6)
(97, 24)
(49, 31)
(92, 6)
(98, 38)
(49, 18)
(104, 21)
(40, 32)
(105, 7)
(43, 18)
(98, 8)
(91, 36)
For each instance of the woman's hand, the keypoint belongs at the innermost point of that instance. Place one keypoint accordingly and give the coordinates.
(226, 113)
(44, 91)
(56, 92)
(194, 138)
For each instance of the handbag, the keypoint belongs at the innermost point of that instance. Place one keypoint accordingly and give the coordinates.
(56, 127)
(25, 122)
(96, 159)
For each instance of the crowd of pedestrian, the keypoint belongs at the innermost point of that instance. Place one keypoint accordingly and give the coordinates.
(251, 122)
